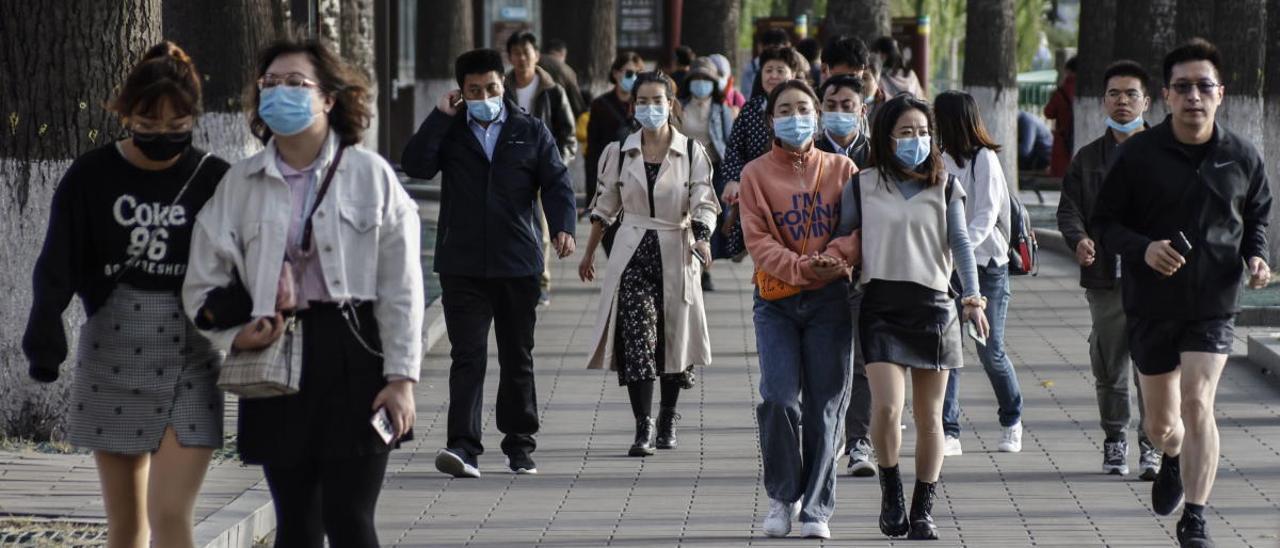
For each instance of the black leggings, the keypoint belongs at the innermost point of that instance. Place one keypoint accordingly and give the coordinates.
(327, 497)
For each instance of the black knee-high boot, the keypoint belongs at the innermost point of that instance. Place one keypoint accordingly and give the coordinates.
(893, 509)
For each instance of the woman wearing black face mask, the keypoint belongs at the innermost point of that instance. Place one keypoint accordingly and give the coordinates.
(144, 395)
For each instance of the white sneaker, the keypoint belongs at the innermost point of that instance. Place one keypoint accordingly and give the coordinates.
(778, 522)
(951, 447)
(815, 529)
(1011, 439)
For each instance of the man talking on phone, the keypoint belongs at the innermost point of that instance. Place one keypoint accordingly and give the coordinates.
(494, 160)
(1191, 178)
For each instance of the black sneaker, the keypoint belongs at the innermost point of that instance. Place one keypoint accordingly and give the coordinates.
(1166, 492)
(521, 464)
(457, 463)
(1192, 532)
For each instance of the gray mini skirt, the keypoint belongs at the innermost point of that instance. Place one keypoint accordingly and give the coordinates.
(909, 324)
(142, 366)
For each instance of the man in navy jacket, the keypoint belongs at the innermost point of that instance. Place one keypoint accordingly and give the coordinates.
(494, 161)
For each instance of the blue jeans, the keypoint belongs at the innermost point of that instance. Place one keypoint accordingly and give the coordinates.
(993, 282)
(804, 343)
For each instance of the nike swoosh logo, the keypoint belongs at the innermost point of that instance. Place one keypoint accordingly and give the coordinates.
(1223, 164)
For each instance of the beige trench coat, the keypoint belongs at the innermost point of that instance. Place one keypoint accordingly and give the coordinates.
(683, 194)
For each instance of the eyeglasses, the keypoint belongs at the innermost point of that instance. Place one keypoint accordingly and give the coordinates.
(629, 74)
(293, 80)
(1183, 88)
(1132, 95)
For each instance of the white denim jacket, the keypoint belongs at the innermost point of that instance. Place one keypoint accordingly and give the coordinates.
(366, 232)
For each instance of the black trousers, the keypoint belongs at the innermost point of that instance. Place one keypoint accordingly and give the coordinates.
(320, 497)
(470, 306)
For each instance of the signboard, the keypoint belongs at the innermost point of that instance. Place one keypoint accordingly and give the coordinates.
(640, 24)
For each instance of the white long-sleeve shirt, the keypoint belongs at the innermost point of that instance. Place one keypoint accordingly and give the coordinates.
(986, 207)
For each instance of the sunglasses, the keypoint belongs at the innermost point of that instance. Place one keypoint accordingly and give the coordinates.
(1204, 86)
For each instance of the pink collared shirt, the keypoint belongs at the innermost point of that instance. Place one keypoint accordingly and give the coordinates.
(307, 274)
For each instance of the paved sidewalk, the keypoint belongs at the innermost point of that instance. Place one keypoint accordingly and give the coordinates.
(708, 492)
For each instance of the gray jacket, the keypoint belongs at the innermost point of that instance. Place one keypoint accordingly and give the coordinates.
(1080, 189)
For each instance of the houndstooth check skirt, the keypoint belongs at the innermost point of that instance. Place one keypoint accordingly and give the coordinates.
(142, 366)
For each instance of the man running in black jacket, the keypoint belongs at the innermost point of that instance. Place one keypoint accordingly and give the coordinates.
(1186, 205)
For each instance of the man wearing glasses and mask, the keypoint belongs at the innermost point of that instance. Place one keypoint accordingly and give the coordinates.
(1125, 100)
(1185, 204)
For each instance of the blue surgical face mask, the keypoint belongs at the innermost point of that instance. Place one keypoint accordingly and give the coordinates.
(840, 124)
(912, 151)
(795, 130)
(701, 88)
(651, 116)
(1125, 128)
(628, 82)
(485, 110)
(286, 109)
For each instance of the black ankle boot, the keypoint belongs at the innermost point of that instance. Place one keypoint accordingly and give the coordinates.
(893, 509)
(667, 419)
(643, 445)
(922, 527)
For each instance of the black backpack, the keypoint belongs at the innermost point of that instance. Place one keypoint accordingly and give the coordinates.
(611, 231)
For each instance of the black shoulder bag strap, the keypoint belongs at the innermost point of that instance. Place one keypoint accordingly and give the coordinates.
(324, 189)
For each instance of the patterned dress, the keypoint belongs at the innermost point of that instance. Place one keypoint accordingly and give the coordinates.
(639, 328)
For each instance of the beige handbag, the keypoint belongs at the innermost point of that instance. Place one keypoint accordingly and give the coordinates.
(273, 371)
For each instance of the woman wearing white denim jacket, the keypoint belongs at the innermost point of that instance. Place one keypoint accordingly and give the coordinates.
(356, 288)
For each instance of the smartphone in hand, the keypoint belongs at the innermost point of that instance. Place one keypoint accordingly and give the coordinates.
(972, 329)
(1181, 244)
(382, 424)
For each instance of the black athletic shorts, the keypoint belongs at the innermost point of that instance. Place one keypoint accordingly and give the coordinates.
(1156, 345)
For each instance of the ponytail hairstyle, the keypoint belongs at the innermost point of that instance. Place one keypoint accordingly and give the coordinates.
(165, 74)
(347, 85)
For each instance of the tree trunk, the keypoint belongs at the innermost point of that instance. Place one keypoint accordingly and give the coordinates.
(1194, 18)
(711, 26)
(444, 33)
(61, 63)
(1147, 36)
(1239, 28)
(1097, 38)
(990, 37)
(865, 19)
(346, 26)
(1271, 128)
(591, 32)
(224, 54)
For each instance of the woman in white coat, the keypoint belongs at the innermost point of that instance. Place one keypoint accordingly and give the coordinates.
(651, 324)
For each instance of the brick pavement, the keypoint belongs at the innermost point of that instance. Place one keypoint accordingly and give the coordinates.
(708, 492)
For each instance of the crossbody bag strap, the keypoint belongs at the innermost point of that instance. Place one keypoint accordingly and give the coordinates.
(813, 204)
(324, 189)
(151, 234)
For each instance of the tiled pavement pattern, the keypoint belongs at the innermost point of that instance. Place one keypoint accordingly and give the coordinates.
(708, 492)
